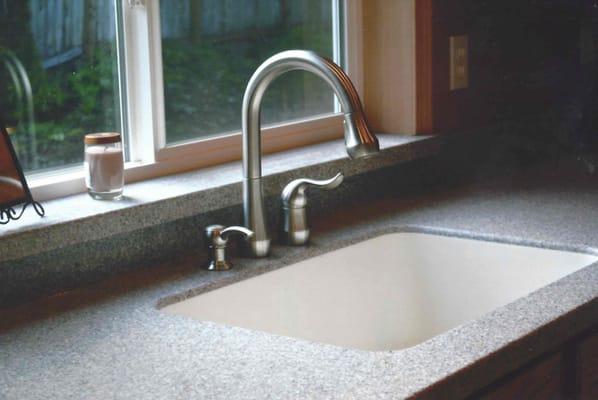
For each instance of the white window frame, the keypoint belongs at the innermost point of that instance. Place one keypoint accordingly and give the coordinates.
(143, 83)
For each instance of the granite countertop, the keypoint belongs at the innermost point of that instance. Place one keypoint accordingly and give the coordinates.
(110, 341)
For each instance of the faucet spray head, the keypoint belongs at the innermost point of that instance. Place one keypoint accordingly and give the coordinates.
(359, 140)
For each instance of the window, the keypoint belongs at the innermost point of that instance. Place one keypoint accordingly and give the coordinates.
(169, 74)
(59, 72)
(210, 49)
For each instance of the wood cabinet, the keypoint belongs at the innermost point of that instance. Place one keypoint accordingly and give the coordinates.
(543, 380)
(571, 372)
(587, 367)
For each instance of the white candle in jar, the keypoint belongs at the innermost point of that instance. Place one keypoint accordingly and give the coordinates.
(105, 165)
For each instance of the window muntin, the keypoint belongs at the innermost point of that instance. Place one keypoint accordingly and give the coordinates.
(211, 48)
(65, 50)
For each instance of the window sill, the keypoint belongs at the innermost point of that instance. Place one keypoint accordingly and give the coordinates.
(78, 219)
(195, 154)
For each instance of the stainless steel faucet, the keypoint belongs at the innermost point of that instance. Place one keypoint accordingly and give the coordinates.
(359, 141)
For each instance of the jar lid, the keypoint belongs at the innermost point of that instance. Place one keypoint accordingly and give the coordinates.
(102, 138)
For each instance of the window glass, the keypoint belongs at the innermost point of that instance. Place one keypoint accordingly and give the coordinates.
(210, 49)
(59, 75)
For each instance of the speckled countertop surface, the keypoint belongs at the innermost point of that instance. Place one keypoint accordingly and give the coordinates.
(111, 342)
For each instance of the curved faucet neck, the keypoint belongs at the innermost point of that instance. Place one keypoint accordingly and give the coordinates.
(358, 137)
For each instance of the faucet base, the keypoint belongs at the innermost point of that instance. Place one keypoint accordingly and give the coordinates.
(257, 248)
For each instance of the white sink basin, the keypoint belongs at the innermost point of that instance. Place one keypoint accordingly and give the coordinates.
(386, 293)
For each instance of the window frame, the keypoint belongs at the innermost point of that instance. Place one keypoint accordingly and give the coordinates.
(140, 61)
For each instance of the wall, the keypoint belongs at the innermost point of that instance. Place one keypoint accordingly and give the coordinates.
(389, 65)
(531, 61)
(523, 57)
(528, 62)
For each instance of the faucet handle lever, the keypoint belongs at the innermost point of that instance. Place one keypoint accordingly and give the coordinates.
(293, 195)
(295, 227)
(216, 238)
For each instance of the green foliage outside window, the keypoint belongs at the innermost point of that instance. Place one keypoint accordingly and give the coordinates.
(204, 80)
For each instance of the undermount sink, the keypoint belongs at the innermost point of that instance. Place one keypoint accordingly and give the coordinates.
(387, 293)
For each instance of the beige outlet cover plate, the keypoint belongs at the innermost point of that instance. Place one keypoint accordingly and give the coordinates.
(459, 62)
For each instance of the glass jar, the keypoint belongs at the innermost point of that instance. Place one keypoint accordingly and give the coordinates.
(104, 165)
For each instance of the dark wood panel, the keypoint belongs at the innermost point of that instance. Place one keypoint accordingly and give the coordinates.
(424, 71)
(453, 109)
(543, 380)
(523, 60)
(587, 367)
